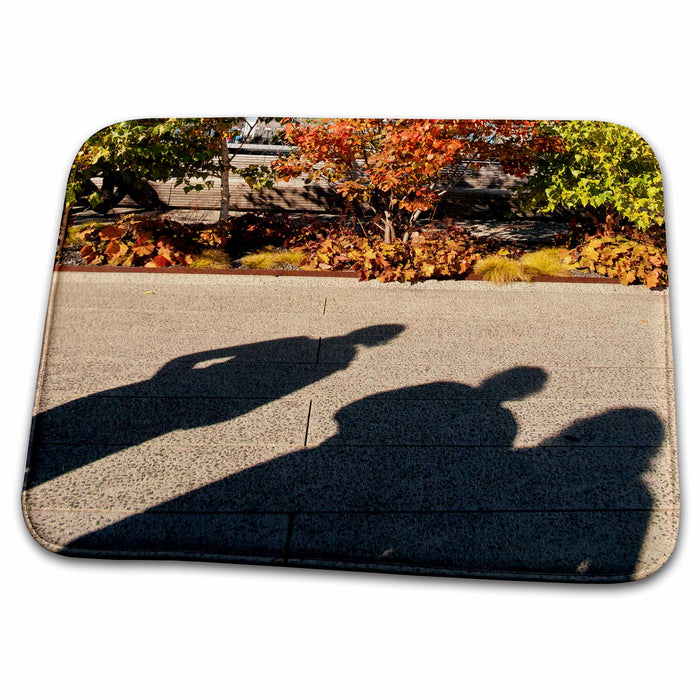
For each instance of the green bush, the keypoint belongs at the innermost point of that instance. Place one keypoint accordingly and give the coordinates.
(599, 167)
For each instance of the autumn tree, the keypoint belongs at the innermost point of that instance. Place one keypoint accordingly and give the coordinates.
(397, 169)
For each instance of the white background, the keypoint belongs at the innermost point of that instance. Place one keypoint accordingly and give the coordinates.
(85, 629)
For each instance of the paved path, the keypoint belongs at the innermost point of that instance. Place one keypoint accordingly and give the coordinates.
(523, 431)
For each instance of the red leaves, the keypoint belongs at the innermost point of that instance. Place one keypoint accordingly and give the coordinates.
(156, 241)
(90, 255)
(132, 241)
(627, 260)
(433, 254)
(143, 250)
(159, 261)
(109, 233)
(407, 164)
(112, 249)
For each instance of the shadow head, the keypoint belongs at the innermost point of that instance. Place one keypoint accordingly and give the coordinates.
(514, 384)
(375, 335)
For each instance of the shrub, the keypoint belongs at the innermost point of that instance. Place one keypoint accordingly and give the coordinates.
(143, 241)
(425, 256)
(501, 269)
(622, 258)
(602, 169)
(159, 241)
(547, 261)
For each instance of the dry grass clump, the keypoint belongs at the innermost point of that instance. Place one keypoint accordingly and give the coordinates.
(272, 259)
(211, 260)
(501, 269)
(547, 261)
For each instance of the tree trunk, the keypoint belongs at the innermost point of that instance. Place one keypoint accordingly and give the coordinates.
(389, 229)
(111, 192)
(225, 166)
(65, 221)
(411, 223)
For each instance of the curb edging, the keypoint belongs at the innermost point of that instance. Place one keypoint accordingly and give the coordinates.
(350, 274)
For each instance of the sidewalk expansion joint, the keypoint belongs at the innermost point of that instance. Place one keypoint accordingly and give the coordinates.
(308, 422)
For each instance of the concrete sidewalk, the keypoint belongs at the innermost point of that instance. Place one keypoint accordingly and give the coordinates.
(525, 431)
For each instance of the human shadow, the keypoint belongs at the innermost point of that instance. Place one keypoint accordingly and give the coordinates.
(200, 389)
(425, 478)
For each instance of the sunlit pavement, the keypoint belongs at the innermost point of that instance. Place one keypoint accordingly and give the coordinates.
(447, 427)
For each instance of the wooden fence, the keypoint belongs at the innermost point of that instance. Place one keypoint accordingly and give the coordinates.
(486, 190)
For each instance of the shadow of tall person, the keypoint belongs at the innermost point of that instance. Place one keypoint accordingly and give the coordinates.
(426, 478)
(204, 388)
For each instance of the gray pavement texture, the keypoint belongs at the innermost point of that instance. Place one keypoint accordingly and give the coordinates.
(456, 428)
